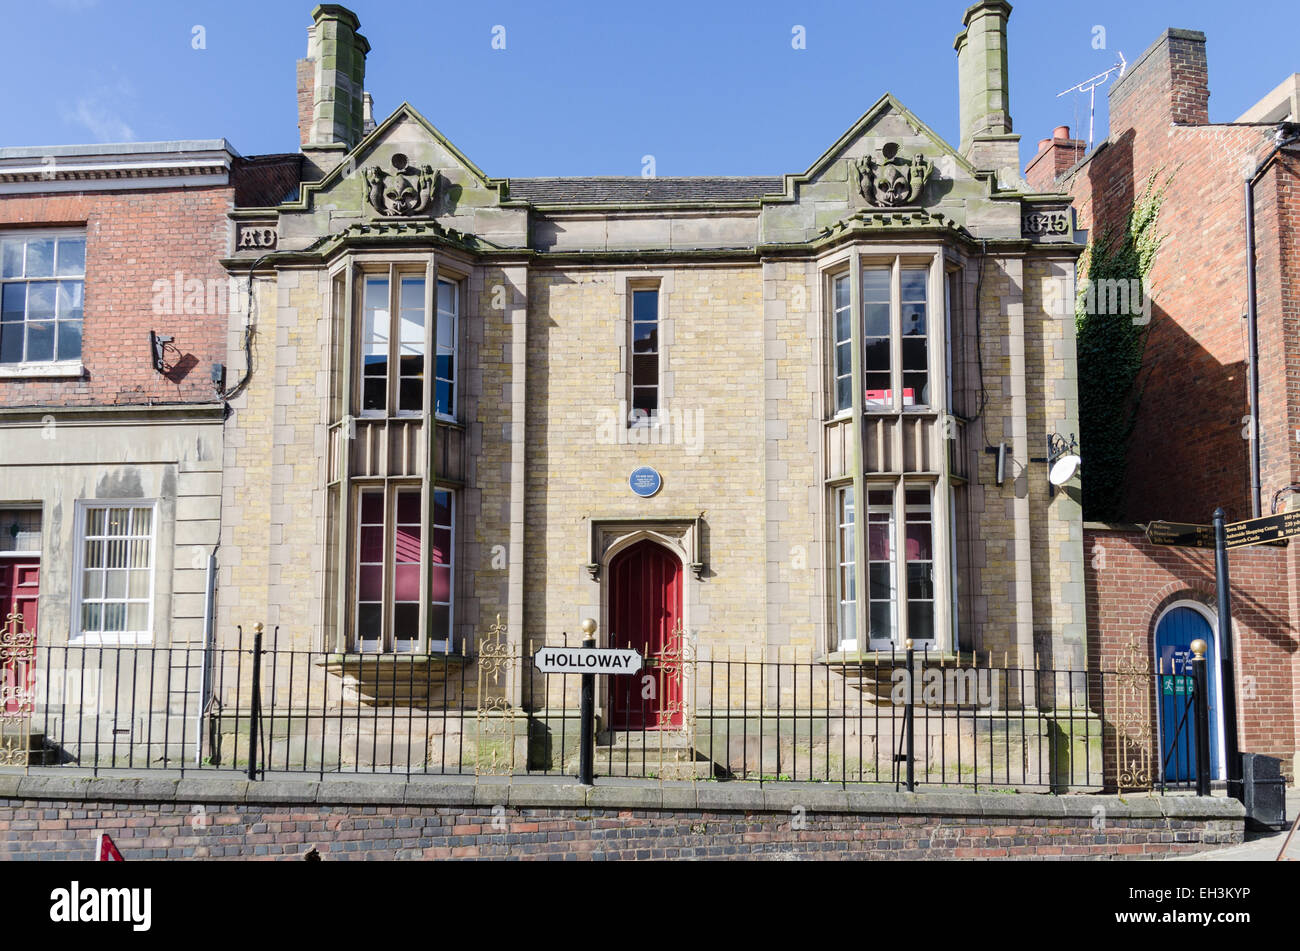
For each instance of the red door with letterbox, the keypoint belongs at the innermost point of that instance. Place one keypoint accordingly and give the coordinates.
(645, 607)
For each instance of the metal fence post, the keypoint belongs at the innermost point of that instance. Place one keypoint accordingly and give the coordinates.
(1200, 682)
(909, 719)
(255, 703)
(587, 712)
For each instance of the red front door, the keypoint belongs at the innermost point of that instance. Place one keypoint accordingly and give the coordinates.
(645, 608)
(19, 594)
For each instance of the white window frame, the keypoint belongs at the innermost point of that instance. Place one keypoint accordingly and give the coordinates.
(896, 601)
(394, 275)
(896, 264)
(73, 366)
(387, 642)
(445, 645)
(431, 372)
(835, 279)
(81, 510)
(845, 557)
(363, 309)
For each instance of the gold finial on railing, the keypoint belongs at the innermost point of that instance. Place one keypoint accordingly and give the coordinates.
(258, 628)
(1199, 648)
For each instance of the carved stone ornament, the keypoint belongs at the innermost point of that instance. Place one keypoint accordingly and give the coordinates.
(890, 181)
(406, 191)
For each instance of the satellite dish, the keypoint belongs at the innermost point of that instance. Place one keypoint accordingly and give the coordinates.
(1063, 469)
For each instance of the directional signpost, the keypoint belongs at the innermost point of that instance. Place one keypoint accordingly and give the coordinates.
(1181, 533)
(1262, 531)
(587, 660)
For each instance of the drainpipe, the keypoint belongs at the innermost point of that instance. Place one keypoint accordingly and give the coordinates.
(1285, 135)
(205, 685)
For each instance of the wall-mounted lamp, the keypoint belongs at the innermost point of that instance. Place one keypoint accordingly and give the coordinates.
(1292, 493)
(1000, 450)
(157, 347)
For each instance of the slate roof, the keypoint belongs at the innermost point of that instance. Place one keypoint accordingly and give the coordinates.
(630, 190)
(265, 180)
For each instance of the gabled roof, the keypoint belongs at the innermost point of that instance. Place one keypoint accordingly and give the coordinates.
(886, 103)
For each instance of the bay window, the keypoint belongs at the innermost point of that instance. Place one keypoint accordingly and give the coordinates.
(895, 322)
(890, 546)
(899, 566)
(393, 364)
(389, 573)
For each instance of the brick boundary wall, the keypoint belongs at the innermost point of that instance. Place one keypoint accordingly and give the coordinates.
(1128, 582)
(57, 817)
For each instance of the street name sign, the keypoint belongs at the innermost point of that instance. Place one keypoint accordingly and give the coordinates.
(1262, 531)
(586, 660)
(1181, 533)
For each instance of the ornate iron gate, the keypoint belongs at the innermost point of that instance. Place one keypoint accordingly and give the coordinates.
(17, 691)
(495, 713)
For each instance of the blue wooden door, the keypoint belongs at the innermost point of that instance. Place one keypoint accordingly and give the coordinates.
(1174, 639)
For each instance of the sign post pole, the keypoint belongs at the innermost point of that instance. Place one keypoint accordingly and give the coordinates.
(1226, 661)
(587, 753)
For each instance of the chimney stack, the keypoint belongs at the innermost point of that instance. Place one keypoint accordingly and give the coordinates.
(1169, 83)
(1055, 157)
(982, 73)
(331, 82)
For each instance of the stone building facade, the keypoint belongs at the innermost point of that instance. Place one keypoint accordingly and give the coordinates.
(777, 349)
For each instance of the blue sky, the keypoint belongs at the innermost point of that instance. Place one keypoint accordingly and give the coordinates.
(707, 88)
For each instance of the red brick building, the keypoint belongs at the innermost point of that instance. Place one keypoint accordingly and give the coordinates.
(1191, 448)
(110, 449)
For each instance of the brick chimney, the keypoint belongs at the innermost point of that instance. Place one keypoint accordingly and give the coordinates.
(983, 89)
(1169, 83)
(1055, 157)
(331, 83)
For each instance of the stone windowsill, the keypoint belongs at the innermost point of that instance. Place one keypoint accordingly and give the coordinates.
(377, 661)
(885, 658)
(36, 371)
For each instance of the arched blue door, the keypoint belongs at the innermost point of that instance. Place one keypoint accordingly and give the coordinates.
(1174, 636)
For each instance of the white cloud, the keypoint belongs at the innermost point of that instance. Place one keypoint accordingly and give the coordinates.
(98, 113)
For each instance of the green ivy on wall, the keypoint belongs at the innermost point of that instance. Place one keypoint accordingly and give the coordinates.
(1111, 344)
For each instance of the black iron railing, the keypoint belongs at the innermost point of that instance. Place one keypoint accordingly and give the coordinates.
(904, 719)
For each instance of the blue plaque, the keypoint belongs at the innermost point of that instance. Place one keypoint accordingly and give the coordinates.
(645, 481)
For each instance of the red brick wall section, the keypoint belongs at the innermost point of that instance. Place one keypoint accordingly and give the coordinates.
(133, 239)
(1128, 582)
(55, 830)
(1187, 454)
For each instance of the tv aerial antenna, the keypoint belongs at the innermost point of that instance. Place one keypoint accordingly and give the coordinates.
(1090, 87)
